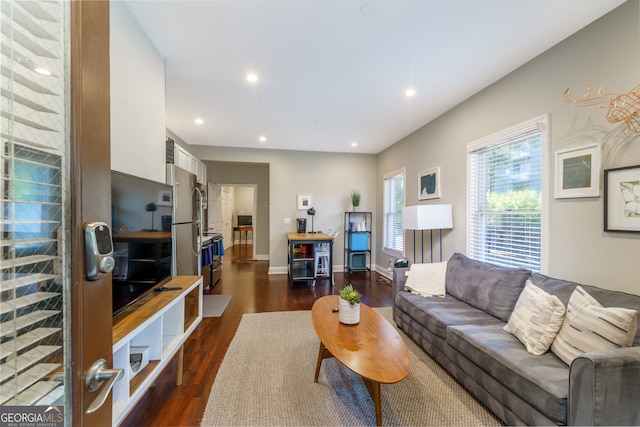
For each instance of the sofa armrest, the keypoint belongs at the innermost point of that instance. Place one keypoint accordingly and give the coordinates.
(604, 388)
(399, 279)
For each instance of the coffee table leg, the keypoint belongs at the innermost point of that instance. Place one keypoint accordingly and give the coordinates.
(320, 357)
(323, 353)
(374, 391)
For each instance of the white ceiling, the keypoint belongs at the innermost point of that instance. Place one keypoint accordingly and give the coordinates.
(332, 72)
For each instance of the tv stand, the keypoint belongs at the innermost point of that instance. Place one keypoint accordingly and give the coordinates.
(159, 322)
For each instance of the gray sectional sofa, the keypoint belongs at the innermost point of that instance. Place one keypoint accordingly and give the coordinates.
(464, 333)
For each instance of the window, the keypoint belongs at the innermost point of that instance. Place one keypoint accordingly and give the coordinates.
(507, 179)
(393, 203)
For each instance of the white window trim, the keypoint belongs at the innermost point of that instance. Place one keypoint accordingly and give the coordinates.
(387, 251)
(540, 123)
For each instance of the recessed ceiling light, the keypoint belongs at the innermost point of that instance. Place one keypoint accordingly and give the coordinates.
(409, 93)
(354, 144)
(252, 77)
(42, 71)
(199, 121)
(262, 139)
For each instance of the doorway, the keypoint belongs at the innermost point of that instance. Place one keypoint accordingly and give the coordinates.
(237, 213)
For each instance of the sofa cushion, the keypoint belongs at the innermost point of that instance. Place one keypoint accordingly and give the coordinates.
(536, 319)
(435, 314)
(542, 381)
(589, 326)
(427, 279)
(488, 287)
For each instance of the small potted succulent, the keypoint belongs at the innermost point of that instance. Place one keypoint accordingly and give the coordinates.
(349, 305)
(355, 200)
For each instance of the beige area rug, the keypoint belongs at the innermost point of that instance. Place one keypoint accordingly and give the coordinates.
(266, 379)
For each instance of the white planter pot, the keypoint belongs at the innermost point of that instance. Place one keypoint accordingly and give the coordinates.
(349, 314)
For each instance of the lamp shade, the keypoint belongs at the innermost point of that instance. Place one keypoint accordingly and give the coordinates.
(427, 217)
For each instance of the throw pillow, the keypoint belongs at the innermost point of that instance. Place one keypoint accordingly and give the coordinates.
(536, 319)
(427, 279)
(588, 326)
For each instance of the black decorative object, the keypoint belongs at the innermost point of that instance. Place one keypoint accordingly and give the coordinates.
(151, 207)
(311, 211)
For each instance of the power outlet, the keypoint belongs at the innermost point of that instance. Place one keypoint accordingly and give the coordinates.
(287, 221)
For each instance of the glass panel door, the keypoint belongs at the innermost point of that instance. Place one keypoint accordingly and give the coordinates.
(33, 171)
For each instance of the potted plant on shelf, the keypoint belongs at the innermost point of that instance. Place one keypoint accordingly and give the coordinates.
(349, 306)
(355, 200)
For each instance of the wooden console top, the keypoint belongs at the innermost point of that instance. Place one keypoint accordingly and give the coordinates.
(147, 305)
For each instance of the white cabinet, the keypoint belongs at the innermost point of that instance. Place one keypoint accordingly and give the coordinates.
(182, 158)
(137, 86)
(201, 172)
(159, 323)
(185, 160)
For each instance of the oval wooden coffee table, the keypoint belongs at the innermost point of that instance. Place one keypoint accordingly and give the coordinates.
(372, 349)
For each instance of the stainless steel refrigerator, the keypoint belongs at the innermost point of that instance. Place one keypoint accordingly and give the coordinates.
(186, 227)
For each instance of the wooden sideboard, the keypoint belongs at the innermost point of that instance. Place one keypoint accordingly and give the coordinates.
(160, 322)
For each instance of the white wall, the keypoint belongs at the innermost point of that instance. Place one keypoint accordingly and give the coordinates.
(137, 99)
(243, 201)
(328, 177)
(606, 52)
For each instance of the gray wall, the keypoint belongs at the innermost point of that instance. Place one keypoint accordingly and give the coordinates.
(328, 177)
(606, 52)
(236, 173)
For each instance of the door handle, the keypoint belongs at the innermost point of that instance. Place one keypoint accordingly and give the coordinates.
(98, 373)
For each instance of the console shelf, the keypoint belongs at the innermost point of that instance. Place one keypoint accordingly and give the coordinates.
(160, 322)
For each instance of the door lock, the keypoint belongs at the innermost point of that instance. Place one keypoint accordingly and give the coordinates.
(98, 250)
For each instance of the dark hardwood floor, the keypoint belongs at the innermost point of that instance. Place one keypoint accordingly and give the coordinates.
(254, 291)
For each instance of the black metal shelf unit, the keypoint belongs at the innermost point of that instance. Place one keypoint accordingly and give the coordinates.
(357, 241)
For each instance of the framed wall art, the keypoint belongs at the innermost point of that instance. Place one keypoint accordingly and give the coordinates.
(577, 172)
(622, 199)
(164, 198)
(305, 201)
(429, 184)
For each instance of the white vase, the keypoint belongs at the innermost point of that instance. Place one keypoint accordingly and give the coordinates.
(356, 208)
(349, 314)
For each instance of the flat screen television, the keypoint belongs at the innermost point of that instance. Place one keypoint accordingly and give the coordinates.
(245, 220)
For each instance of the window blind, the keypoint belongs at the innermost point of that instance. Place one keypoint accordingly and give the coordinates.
(393, 204)
(505, 205)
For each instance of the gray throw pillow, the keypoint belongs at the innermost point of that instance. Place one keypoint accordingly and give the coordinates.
(489, 287)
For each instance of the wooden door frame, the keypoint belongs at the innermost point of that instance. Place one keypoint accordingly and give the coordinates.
(90, 198)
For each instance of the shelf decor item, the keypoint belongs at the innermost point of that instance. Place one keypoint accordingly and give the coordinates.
(355, 200)
(349, 306)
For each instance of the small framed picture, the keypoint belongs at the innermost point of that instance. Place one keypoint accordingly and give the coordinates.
(577, 172)
(305, 201)
(164, 198)
(429, 184)
(622, 199)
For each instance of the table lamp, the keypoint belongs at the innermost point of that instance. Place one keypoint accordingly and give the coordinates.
(311, 211)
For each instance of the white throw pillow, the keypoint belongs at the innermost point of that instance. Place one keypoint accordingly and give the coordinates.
(536, 319)
(588, 326)
(427, 279)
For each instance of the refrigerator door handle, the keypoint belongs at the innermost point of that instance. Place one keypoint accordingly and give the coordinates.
(197, 237)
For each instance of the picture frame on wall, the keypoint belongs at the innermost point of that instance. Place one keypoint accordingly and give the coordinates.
(165, 198)
(429, 184)
(622, 199)
(577, 172)
(305, 201)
